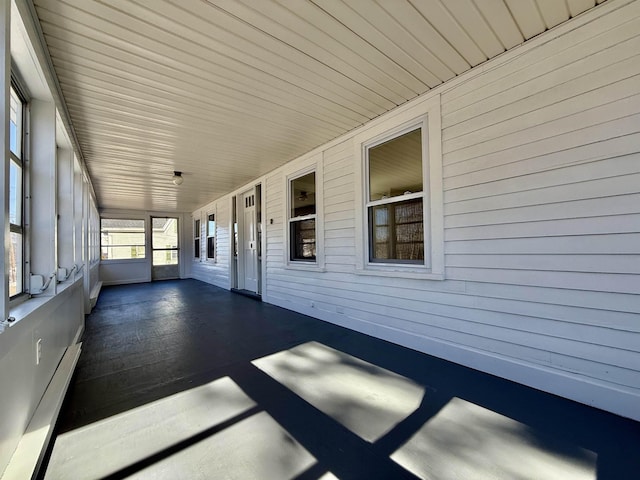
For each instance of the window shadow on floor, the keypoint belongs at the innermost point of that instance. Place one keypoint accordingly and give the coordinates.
(144, 343)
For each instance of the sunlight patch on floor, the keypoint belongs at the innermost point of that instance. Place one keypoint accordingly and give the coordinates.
(363, 397)
(466, 441)
(107, 446)
(255, 448)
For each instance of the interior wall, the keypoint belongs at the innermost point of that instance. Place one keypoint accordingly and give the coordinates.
(121, 272)
(216, 271)
(55, 321)
(542, 222)
(52, 317)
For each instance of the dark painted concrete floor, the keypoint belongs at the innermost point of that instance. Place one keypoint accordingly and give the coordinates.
(145, 342)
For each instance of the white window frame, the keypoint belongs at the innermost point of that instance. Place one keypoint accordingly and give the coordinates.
(299, 169)
(208, 235)
(425, 115)
(21, 162)
(197, 235)
(107, 216)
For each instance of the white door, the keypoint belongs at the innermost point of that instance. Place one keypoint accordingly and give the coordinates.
(249, 248)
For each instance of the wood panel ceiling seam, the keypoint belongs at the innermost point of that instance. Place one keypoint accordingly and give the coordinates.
(357, 23)
(177, 87)
(238, 107)
(150, 43)
(73, 57)
(446, 24)
(346, 94)
(375, 79)
(501, 21)
(74, 48)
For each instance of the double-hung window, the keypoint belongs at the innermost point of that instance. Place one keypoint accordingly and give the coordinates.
(395, 206)
(196, 238)
(302, 218)
(16, 183)
(400, 230)
(211, 236)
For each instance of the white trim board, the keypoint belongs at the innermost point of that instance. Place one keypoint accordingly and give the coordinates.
(29, 454)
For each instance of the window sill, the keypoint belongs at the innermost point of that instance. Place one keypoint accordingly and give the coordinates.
(308, 267)
(122, 260)
(398, 272)
(24, 308)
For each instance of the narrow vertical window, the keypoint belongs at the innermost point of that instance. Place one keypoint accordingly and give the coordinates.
(196, 238)
(211, 236)
(302, 218)
(16, 139)
(395, 202)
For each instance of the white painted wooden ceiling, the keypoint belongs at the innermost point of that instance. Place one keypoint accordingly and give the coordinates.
(227, 90)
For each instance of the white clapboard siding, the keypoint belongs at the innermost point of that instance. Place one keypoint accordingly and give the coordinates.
(617, 146)
(592, 207)
(542, 76)
(617, 26)
(541, 179)
(619, 244)
(215, 272)
(597, 188)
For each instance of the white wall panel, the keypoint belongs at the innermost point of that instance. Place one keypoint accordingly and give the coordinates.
(542, 224)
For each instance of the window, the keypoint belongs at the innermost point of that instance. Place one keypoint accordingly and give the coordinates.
(395, 200)
(302, 218)
(196, 239)
(16, 182)
(399, 207)
(122, 239)
(164, 241)
(211, 236)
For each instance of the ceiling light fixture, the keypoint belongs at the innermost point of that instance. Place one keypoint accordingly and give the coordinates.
(177, 178)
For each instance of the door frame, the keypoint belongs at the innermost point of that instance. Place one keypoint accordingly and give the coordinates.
(237, 265)
(178, 249)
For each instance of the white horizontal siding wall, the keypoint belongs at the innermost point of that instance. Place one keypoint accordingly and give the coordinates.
(215, 272)
(541, 157)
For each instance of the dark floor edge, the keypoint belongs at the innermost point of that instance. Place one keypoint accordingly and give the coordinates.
(247, 293)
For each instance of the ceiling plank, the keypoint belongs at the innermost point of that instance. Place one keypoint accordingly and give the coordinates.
(466, 14)
(527, 16)
(498, 16)
(553, 12)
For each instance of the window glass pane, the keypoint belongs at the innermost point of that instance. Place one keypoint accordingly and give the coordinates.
(303, 195)
(395, 167)
(211, 225)
(303, 240)
(235, 239)
(196, 248)
(196, 228)
(15, 264)
(165, 257)
(164, 233)
(211, 247)
(15, 193)
(122, 252)
(397, 232)
(122, 239)
(15, 124)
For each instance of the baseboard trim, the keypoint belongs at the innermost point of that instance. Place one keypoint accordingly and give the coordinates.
(27, 459)
(95, 293)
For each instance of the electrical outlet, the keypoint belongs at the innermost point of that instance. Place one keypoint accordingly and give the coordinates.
(38, 351)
